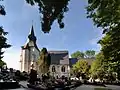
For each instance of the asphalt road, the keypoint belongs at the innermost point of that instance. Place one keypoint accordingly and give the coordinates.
(90, 87)
(82, 87)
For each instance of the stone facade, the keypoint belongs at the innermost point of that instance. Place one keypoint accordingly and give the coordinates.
(59, 63)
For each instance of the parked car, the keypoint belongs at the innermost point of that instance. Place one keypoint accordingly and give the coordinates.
(74, 78)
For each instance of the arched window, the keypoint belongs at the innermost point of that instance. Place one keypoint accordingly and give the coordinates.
(53, 69)
(63, 68)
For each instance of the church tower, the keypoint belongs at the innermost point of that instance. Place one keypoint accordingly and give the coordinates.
(29, 53)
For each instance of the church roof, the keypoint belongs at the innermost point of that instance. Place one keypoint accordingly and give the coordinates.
(26, 46)
(32, 36)
(56, 56)
(72, 61)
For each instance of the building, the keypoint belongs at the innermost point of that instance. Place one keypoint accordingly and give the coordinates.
(29, 53)
(72, 61)
(59, 63)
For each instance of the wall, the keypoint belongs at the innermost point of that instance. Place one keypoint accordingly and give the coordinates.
(58, 72)
(24, 60)
(34, 54)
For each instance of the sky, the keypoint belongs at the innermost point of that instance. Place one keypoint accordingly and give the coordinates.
(79, 32)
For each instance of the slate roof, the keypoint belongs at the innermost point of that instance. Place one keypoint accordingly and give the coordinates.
(72, 61)
(56, 56)
(89, 60)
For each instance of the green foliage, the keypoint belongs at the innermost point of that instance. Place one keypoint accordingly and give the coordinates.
(86, 54)
(2, 63)
(3, 39)
(97, 69)
(110, 47)
(90, 54)
(50, 10)
(106, 14)
(3, 43)
(81, 67)
(2, 9)
(77, 54)
(44, 61)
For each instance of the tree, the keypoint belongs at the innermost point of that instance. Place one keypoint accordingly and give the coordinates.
(90, 54)
(106, 14)
(81, 67)
(2, 9)
(98, 69)
(77, 55)
(3, 39)
(3, 43)
(2, 63)
(50, 11)
(111, 53)
(44, 61)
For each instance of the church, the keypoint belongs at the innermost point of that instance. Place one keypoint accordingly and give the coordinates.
(30, 54)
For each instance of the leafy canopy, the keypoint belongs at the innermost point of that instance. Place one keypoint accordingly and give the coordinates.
(86, 54)
(97, 67)
(50, 10)
(3, 39)
(106, 14)
(2, 9)
(81, 66)
(77, 55)
(44, 61)
(2, 63)
(90, 54)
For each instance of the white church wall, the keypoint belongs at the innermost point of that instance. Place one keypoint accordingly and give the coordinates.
(23, 59)
(58, 72)
(64, 61)
(66, 73)
(26, 59)
(21, 63)
(34, 54)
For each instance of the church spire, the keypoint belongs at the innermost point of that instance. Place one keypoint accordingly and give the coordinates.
(32, 31)
(31, 35)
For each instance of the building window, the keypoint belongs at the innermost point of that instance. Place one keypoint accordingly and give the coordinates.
(63, 68)
(53, 69)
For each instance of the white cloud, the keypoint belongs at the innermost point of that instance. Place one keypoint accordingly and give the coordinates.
(97, 37)
(94, 43)
(12, 58)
